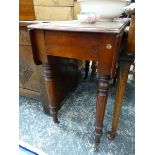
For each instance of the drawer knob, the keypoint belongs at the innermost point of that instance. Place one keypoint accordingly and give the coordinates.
(108, 46)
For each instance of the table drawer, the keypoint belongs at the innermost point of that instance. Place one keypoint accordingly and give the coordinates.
(64, 44)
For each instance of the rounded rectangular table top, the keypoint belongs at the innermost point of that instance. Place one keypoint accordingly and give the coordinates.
(115, 26)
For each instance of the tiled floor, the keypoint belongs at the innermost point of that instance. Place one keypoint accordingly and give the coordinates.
(75, 133)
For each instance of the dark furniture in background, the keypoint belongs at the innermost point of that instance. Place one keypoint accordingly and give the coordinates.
(31, 81)
(26, 10)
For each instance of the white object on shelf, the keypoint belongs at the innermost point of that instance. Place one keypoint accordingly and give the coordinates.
(87, 18)
(103, 9)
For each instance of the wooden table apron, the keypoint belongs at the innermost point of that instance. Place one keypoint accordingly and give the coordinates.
(98, 46)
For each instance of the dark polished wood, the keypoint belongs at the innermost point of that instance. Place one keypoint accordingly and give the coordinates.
(102, 94)
(99, 43)
(51, 89)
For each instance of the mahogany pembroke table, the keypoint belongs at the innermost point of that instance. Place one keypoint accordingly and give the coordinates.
(72, 39)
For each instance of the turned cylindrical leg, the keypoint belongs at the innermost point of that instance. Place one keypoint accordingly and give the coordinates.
(120, 91)
(93, 67)
(102, 94)
(50, 85)
(86, 69)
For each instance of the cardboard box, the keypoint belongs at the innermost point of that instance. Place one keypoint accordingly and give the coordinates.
(53, 2)
(77, 9)
(53, 13)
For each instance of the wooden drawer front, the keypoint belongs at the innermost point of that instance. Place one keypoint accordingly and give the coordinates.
(64, 44)
(24, 37)
(27, 70)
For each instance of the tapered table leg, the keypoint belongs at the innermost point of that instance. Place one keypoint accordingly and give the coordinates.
(102, 94)
(50, 85)
(120, 91)
(86, 69)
